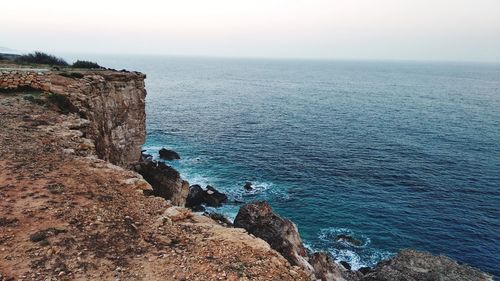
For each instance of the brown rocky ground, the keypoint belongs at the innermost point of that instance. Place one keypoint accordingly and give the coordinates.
(66, 215)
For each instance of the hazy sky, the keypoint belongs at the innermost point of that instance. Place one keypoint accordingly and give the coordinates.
(340, 29)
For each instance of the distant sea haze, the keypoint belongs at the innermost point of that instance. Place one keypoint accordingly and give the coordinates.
(395, 155)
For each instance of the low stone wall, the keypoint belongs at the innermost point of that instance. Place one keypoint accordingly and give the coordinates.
(20, 78)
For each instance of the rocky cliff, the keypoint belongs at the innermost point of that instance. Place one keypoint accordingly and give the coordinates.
(68, 214)
(113, 102)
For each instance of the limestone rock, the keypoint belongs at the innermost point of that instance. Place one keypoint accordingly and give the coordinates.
(282, 235)
(411, 265)
(165, 180)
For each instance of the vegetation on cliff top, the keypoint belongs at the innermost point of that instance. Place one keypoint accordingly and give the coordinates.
(86, 64)
(41, 58)
(44, 58)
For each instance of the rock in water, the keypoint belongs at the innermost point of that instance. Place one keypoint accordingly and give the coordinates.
(412, 265)
(348, 239)
(214, 198)
(211, 197)
(248, 186)
(165, 180)
(167, 154)
(281, 234)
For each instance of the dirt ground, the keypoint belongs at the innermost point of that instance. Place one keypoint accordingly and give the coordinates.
(66, 215)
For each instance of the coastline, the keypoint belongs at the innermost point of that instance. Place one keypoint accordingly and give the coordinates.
(106, 143)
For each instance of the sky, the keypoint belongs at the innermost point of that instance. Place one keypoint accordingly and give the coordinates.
(440, 30)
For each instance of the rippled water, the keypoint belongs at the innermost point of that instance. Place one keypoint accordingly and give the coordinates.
(393, 154)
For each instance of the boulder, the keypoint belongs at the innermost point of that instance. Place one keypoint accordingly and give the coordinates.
(195, 197)
(214, 198)
(210, 197)
(165, 181)
(326, 269)
(412, 265)
(167, 154)
(282, 235)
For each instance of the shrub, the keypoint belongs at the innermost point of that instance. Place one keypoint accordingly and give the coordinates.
(41, 58)
(86, 64)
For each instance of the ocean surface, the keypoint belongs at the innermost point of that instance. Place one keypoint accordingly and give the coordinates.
(395, 154)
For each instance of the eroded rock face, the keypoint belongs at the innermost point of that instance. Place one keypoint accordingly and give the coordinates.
(113, 102)
(411, 265)
(282, 235)
(166, 181)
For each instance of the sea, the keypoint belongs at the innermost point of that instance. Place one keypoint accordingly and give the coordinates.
(396, 154)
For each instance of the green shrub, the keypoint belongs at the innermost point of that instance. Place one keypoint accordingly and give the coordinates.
(86, 64)
(41, 58)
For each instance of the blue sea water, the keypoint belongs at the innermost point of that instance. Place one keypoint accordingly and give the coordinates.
(396, 154)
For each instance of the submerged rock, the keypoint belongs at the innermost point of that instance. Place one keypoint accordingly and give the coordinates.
(349, 239)
(248, 186)
(165, 180)
(167, 154)
(282, 235)
(412, 265)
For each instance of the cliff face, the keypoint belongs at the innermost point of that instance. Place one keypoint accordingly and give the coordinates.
(113, 102)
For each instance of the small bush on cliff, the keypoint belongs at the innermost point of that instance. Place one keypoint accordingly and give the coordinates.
(86, 64)
(41, 58)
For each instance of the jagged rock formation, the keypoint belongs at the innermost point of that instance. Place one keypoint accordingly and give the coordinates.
(166, 181)
(113, 102)
(259, 219)
(326, 269)
(282, 234)
(411, 265)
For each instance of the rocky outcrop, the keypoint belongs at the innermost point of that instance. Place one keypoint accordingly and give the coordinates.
(408, 265)
(167, 154)
(326, 269)
(411, 265)
(165, 181)
(282, 235)
(113, 102)
(210, 196)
